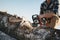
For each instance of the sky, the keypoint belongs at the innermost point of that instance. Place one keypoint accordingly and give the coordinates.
(25, 8)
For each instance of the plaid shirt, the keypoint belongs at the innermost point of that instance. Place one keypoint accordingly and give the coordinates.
(53, 6)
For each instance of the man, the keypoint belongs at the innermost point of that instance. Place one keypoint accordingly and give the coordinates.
(49, 8)
(49, 5)
(52, 6)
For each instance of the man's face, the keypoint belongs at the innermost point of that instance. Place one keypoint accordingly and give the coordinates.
(48, 1)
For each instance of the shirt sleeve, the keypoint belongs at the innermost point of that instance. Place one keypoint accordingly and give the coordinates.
(55, 6)
(41, 9)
